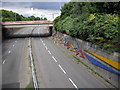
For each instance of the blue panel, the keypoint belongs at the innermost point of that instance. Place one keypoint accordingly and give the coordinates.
(94, 61)
(65, 42)
(78, 45)
(78, 49)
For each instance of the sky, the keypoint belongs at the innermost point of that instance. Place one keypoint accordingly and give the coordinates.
(38, 8)
(50, 10)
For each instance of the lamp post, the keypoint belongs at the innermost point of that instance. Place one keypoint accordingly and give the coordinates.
(32, 13)
(60, 4)
(53, 15)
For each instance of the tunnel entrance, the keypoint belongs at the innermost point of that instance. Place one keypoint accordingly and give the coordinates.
(25, 32)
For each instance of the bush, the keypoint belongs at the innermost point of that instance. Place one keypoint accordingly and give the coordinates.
(86, 24)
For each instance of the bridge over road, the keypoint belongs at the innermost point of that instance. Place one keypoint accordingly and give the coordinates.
(18, 24)
(9, 28)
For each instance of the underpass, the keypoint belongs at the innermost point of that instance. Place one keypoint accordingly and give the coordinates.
(11, 29)
(26, 33)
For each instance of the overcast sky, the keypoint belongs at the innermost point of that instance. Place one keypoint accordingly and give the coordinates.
(40, 9)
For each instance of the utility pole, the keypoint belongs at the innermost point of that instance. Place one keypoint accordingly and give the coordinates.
(32, 11)
(53, 15)
(60, 4)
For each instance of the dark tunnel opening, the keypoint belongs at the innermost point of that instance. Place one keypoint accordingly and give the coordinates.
(8, 33)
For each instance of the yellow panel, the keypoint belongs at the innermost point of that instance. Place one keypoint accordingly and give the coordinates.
(109, 61)
(73, 50)
(72, 46)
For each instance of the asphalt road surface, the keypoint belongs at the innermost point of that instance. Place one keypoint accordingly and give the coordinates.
(13, 51)
(54, 69)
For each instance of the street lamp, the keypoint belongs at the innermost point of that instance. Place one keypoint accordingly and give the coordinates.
(32, 13)
(53, 15)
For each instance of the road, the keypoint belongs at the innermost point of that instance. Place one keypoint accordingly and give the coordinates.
(57, 70)
(13, 52)
(54, 69)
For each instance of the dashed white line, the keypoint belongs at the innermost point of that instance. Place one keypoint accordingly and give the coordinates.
(44, 44)
(3, 61)
(9, 52)
(73, 83)
(62, 69)
(60, 66)
(13, 45)
(54, 59)
(49, 52)
(46, 47)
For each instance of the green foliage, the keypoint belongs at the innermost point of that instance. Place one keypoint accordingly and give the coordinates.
(11, 16)
(108, 7)
(96, 22)
(107, 46)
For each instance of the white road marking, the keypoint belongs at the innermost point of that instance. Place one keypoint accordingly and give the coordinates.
(13, 45)
(54, 59)
(62, 69)
(32, 65)
(44, 44)
(49, 52)
(9, 52)
(29, 42)
(46, 47)
(3, 61)
(60, 66)
(73, 83)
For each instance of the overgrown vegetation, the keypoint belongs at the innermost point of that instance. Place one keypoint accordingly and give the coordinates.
(12, 16)
(30, 86)
(96, 22)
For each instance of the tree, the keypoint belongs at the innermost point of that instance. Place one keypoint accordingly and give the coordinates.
(96, 22)
(12, 16)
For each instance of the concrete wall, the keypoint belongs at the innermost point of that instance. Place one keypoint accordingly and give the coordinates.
(107, 75)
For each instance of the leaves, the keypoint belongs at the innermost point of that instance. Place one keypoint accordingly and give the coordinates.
(11, 16)
(94, 22)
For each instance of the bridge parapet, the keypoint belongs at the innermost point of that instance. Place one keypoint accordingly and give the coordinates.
(27, 22)
(18, 24)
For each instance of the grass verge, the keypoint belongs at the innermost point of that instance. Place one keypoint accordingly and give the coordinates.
(30, 86)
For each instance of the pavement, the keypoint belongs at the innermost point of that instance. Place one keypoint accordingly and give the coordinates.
(54, 69)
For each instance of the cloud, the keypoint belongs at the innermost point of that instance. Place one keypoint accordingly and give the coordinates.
(38, 5)
(47, 5)
(37, 0)
(49, 14)
(49, 10)
(17, 4)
